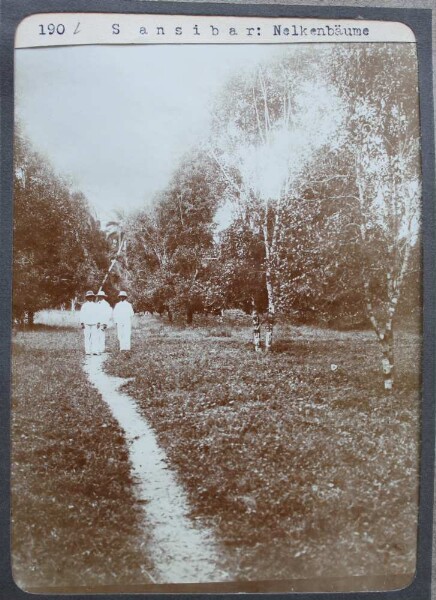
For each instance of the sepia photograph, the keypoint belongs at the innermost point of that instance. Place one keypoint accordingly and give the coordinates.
(217, 314)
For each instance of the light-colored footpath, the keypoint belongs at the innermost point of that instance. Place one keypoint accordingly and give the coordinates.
(183, 551)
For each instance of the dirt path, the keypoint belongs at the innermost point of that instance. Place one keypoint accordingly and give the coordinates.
(183, 552)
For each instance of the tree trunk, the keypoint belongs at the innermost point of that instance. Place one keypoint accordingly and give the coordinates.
(270, 249)
(269, 326)
(271, 311)
(170, 316)
(385, 337)
(189, 315)
(387, 344)
(256, 332)
(270, 292)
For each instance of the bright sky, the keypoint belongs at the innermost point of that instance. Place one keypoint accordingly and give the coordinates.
(117, 119)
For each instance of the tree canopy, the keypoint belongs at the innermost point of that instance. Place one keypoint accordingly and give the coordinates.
(303, 152)
(59, 248)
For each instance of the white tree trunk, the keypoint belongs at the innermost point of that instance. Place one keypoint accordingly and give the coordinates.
(256, 332)
(388, 359)
(270, 265)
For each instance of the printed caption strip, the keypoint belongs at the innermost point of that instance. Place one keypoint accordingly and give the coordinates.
(75, 29)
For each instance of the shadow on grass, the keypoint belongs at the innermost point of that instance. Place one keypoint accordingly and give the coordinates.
(283, 346)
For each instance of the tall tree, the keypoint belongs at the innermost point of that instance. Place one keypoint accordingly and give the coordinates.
(268, 126)
(168, 245)
(58, 245)
(384, 173)
(115, 231)
(319, 260)
(240, 270)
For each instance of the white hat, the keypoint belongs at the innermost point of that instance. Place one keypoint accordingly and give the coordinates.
(101, 293)
(122, 295)
(89, 294)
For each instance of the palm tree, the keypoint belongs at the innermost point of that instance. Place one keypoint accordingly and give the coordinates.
(116, 236)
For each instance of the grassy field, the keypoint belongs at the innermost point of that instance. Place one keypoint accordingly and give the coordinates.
(75, 519)
(297, 458)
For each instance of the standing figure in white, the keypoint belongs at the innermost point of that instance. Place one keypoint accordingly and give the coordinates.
(123, 313)
(105, 315)
(89, 321)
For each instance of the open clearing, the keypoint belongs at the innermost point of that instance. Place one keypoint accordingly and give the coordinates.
(296, 460)
(303, 468)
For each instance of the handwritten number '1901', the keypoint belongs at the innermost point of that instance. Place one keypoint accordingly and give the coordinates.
(51, 28)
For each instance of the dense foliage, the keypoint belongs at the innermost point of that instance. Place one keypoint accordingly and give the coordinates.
(324, 218)
(59, 248)
(170, 246)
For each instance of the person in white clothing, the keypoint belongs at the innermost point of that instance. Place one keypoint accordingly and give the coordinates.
(123, 313)
(89, 320)
(105, 315)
